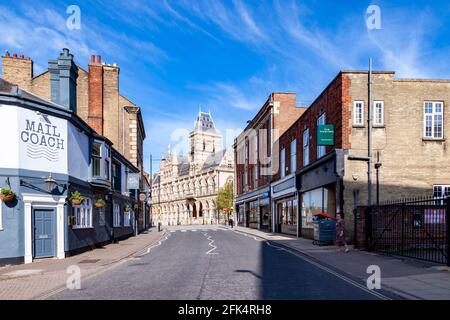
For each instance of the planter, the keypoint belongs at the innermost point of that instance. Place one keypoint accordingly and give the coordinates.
(99, 206)
(76, 202)
(7, 198)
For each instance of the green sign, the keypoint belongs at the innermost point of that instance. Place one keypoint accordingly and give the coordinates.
(325, 135)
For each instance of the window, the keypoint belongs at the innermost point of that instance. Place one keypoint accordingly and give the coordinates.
(441, 191)
(378, 113)
(358, 113)
(96, 159)
(246, 152)
(321, 150)
(433, 116)
(293, 162)
(116, 217)
(283, 162)
(126, 218)
(116, 177)
(107, 162)
(306, 147)
(83, 214)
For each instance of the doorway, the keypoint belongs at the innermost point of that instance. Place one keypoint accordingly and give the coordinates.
(44, 235)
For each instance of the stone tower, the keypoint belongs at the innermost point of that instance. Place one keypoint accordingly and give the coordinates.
(204, 140)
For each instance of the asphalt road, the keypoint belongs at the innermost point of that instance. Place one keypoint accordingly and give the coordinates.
(211, 264)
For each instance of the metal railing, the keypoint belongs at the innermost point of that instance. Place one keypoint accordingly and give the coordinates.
(416, 228)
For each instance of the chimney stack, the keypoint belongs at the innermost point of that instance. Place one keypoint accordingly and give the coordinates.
(16, 70)
(63, 80)
(95, 94)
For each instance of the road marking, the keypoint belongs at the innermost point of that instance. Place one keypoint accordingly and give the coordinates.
(101, 271)
(249, 236)
(172, 231)
(210, 244)
(340, 276)
(154, 246)
(183, 230)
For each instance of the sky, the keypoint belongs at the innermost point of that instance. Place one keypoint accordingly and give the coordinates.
(177, 57)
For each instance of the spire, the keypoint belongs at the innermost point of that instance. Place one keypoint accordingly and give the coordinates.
(174, 156)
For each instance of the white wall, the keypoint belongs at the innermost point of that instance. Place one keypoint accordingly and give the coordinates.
(9, 132)
(78, 148)
(36, 141)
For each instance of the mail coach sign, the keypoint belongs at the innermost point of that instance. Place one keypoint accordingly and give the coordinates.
(43, 139)
(43, 142)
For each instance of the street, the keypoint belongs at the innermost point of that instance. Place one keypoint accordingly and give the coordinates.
(210, 263)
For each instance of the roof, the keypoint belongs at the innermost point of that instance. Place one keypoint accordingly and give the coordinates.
(205, 123)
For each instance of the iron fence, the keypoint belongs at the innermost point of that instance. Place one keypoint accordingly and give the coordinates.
(416, 228)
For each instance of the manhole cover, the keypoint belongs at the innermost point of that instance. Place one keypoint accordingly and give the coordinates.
(89, 261)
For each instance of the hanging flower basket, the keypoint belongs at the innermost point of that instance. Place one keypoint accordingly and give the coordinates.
(6, 194)
(76, 198)
(100, 203)
(127, 208)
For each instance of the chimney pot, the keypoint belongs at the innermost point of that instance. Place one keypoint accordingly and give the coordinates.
(22, 56)
(14, 55)
(99, 59)
(93, 59)
(7, 53)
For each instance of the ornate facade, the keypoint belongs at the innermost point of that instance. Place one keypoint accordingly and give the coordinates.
(185, 189)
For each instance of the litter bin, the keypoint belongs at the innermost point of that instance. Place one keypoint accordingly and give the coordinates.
(324, 229)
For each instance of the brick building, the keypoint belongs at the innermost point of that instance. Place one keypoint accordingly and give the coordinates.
(256, 158)
(98, 102)
(409, 118)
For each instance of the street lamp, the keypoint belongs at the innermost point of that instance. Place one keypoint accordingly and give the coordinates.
(50, 182)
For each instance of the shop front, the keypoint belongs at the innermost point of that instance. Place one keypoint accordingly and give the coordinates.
(253, 209)
(285, 206)
(319, 187)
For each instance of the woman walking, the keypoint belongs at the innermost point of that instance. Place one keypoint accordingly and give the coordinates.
(340, 233)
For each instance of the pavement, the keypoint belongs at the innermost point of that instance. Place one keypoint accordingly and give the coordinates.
(214, 262)
(45, 277)
(407, 278)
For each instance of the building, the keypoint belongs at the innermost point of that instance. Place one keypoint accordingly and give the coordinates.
(185, 189)
(49, 152)
(99, 103)
(256, 155)
(410, 121)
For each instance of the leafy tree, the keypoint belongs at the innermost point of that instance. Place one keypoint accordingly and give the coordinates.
(225, 198)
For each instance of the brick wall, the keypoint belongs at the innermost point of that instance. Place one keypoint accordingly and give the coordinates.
(95, 95)
(111, 104)
(274, 118)
(329, 102)
(17, 70)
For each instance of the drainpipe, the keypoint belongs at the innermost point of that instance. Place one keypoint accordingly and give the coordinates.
(369, 137)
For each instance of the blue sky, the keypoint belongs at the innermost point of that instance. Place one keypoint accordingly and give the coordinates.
(228, 56)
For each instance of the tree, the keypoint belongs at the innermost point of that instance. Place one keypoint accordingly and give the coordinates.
(225, 198)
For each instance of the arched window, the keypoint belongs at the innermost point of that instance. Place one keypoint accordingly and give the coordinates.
(83, 214)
